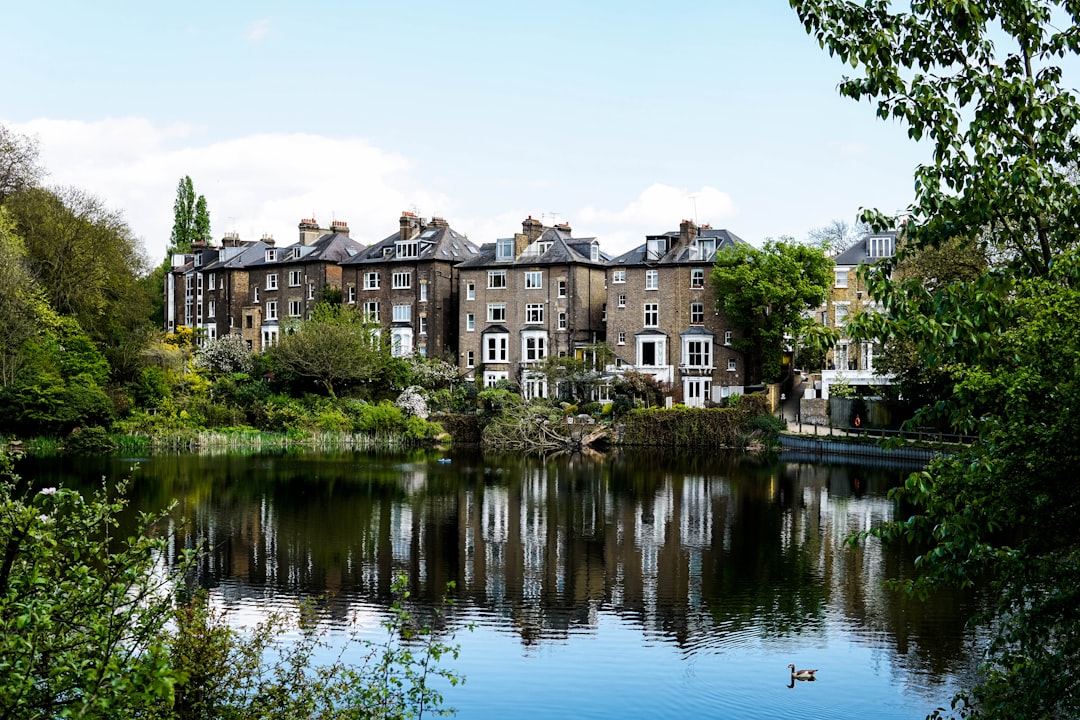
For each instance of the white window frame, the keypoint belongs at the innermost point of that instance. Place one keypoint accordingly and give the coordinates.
(562, 319)
(697, 278)
(731, 365)
(534, 346)
(271, 281)
(496, 279)
(504, 249)
(470, 322)
(295, 278)
(618, 276)
(271, 310)
(697, 352)
(841, 278)
(371, 311)
(534, 314)
(470, 358)
(659, 343)
(651, 312)
(371, 280)
(470, 290)
(402, 313)
(652, 279)
(496, 312)
(351, 293)
(401, 280)
(407, 248)
(621, 337)
(423, 291)
(697, 313)
(296, 308)
(534, 280)
(562, 289)
(497, 348)
(401, 341)
(727, 337)
(622, 300)
(422, 324)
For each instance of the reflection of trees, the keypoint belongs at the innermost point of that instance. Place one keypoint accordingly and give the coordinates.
(699, 550)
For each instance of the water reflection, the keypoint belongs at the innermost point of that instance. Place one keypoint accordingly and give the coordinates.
(705, 553)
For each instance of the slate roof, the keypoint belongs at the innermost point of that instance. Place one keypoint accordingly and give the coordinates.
(678, 255)
(243, 256)
(436, 243)
(564, 250)
(859, 253)
(331, 247)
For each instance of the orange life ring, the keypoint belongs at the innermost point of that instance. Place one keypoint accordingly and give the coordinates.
(858, 422)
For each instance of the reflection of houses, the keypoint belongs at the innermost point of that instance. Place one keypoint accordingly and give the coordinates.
(407, 283)
(850, 361)
(662, 318)
(537, 294)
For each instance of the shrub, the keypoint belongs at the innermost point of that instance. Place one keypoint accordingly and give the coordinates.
(91, 440)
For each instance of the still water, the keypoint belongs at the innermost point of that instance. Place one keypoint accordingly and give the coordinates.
(634, 585)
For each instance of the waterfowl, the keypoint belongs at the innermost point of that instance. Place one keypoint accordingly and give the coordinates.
(802, 674)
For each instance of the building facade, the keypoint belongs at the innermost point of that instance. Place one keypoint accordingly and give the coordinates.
(525, 298)
(408, 284)
(662, 318)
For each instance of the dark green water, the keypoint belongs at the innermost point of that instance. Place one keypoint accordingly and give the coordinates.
(630, 585)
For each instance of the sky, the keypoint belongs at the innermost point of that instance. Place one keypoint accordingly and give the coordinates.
(621, 119)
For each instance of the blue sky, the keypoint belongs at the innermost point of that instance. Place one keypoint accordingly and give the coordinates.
(619, 118)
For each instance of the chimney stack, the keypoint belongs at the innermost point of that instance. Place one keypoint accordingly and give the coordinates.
(410, 225)
(268, 239)
(340, 226)
(687, 231)
(309, 231)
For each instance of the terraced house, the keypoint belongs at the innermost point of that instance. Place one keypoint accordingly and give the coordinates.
(525, 298)
(286, 283)
(662, 318)
(408, 284)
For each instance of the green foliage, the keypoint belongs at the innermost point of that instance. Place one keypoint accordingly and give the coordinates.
(337, 346)
(684, 427)
(639, 386)
(85, 632)
(765, 293)
(191, 219)
(93, 440)
(981, 82)
(82, 610)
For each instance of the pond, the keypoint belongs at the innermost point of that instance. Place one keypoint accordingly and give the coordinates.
(619, 586)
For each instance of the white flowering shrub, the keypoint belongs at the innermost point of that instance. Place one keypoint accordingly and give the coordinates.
(432, 373)
(412, 402)
(227, 354)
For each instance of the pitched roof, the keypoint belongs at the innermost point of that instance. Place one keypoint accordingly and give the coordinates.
(676, 253)
(555, 246)
(435, 242)
(866, 251)
(331, 247)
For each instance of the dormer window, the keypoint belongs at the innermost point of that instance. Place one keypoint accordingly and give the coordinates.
(271, 255)
(594, 252)
(656, 248)
(504, 249)
(879, 246)
(408, 248)
(198, 259)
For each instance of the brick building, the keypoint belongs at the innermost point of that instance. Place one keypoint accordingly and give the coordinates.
(408, 284)
(662, 318)
(527, 297)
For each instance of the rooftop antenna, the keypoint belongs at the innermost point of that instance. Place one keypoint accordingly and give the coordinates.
(553, 215)
(693, 199)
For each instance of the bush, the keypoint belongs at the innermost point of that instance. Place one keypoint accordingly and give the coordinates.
(92, 440)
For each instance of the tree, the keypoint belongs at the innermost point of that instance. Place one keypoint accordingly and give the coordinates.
(191, 219)
(337, 345)
(20, 302)
(19, 168)
(982, 82)
(837, 236)
(82, 610)
(766, 294)
(85, 257)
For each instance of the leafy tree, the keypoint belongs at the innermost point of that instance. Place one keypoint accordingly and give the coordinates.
(19, 168)
(21, 302)
(982, 82)
(336, 346)
(81, 610)
(191, 219)
(84, 257)
(766, 294)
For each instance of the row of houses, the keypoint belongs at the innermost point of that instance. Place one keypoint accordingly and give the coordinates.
(498, 310)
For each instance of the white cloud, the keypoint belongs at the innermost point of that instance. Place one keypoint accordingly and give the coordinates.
(258, 30)
(253, 185)
(657, 209)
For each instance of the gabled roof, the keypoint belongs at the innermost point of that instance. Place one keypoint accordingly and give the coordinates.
(861, 251)
(237, 257)
(436, 242)
(678, 254)
(555, 246)
(331, 247)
